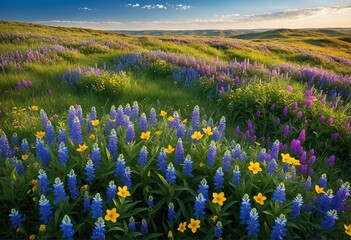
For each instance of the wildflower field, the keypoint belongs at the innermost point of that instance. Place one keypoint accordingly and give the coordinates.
(110, 136)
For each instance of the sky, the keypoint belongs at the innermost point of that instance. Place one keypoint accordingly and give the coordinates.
(180, 14)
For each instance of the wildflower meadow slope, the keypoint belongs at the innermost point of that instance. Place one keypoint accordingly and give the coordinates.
(110, 136)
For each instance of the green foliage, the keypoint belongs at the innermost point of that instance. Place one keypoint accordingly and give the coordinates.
(160, 68)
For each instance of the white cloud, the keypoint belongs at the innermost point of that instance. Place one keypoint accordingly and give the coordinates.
(87, 9)
(147, 6)
(183, 7)
(133, 5)
(158, 6)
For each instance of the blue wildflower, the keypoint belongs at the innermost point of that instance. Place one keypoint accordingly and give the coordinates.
(24, 146)
(199, 208)
(120, 166)
(86, 202)
(131, 224)
(126, 121)
(275, 149)
(19, 166)
(112, 119)
(236, 179)
(130, 133)
(96, 156)
(72, 184)
(120, 116)
(253, 226)
(296, 206)
(67, 228)
(179, 152)
(96, 206)
(329, 219)
(341, 196)
(76, 131)
(279, 228)
(221, 126)
(143, 156)
(227, 161)
(50, 133)
(152, 117)
(171, 212)
(99, 230)
(127, 178)
(59, 191)
(211, 154)
(92, 116)
(219, 179)
(218, 230)
(279, 194)
(150, 201)
(112, 144)
(45, 209)
(16, 218)
(162, 161)
(286, 167)
(63, 154)
(195, 120)
(144, 228)
(262, 156)
(44, 117)
(322, 182)
(62, 136)
(89, 172)
(272, 166)
(170, 173)
(237, 151)
(15, 140)
(308, 183)
(143, 123)
(135, 111)
(181, 131)
(43, 182)
(6, 151)
(216, 135)
(111, 192)
(245, 209)
(71, 116)
(42, 153)
(188, 166)
(324, 200)
(79, 113)
(203, 188)
(210, 122)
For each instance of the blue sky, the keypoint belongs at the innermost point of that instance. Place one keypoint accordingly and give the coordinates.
(180, 14)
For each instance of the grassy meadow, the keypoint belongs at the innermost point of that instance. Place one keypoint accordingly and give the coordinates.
(238, 136)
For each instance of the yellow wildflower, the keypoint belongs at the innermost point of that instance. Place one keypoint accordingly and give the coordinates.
(197, 135)
(214, 218)
(145, 135)
(348, 229)
(24, 157)
(81, 148)
(318, 189)
(158, 132)
(286, 158)
(255, 167)
(163, 113)
(123, 192)
(40, 134)
(194, 225)
(260, 198)
(185, 120)
(182, 227)
(169, 149)
(92, 136)
(95, 123)
(208, 131)
(34, 108)
(111, 215)
(32, 237)
(42, 228)
(170, 118)
(170, 234)
(218, 198)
